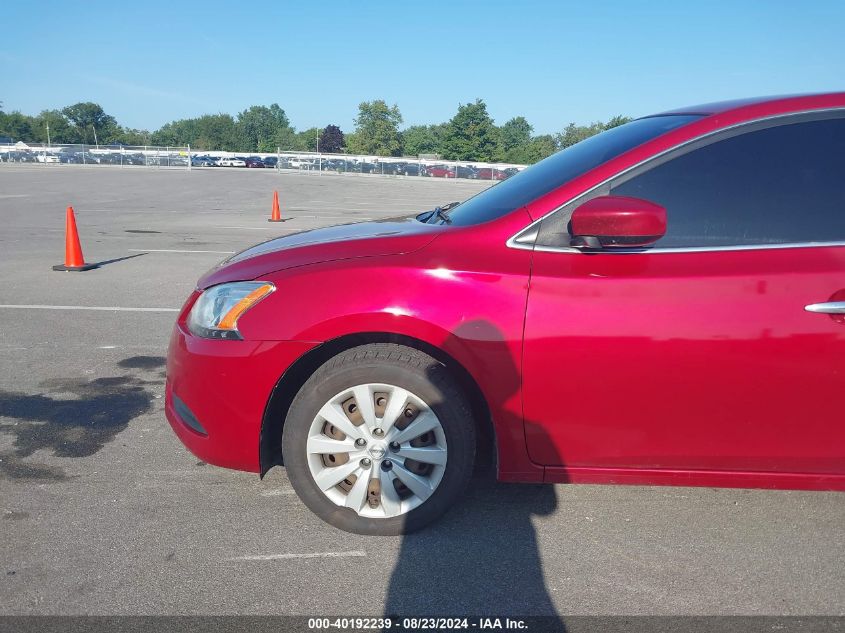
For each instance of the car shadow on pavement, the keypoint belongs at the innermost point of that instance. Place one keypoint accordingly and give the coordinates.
(71, 418)
(482, 558)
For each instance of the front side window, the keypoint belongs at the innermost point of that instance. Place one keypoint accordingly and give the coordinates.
(558, 169)
(783, 184)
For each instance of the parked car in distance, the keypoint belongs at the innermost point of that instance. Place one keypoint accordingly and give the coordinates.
(334, 164)
(22, 156)
(254, 162)
(89, 158)
(270, 161)
(110, 158)
(490, 173)
(411, 169)
(385, 167)
(202, 161)
(46, 158)
(70, 158)
(685, 325)
(464, 171)
(226, 161)
(440, 171)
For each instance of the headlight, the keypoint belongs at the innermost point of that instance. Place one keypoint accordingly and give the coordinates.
(215, 314)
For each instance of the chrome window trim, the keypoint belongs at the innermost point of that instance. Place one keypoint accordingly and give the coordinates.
(513, 242)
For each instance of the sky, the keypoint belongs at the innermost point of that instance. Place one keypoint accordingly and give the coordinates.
(151, 62)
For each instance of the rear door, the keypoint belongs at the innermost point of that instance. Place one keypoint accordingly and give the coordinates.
(700, 353)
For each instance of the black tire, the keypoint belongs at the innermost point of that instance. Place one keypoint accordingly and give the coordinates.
(404, 367)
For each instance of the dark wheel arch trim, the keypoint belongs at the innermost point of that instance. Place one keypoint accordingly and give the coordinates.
(276, 409)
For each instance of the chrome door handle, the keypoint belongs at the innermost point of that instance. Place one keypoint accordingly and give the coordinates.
(831, 307)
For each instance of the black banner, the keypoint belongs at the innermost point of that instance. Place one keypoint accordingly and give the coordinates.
(407, 624)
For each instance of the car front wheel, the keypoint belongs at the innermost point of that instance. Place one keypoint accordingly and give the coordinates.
(380, 440)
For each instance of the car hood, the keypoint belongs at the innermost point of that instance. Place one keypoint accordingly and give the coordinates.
(346, 241)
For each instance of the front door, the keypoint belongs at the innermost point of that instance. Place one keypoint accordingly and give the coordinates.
(699, 354)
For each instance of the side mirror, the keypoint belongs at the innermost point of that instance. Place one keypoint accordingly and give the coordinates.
(617, 222)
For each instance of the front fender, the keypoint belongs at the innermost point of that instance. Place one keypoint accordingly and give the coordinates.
(475, 317)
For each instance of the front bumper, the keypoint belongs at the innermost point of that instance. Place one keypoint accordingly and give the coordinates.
(225, 386)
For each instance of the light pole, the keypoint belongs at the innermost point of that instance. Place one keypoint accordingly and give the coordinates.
(96, 142)
(48, 134)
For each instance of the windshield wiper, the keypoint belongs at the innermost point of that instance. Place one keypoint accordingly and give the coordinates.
(440, 212)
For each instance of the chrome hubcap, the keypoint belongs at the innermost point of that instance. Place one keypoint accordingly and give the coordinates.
(377, 449)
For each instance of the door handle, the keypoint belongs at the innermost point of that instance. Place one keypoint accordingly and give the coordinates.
(830, 307)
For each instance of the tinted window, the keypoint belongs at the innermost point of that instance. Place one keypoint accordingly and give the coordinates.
(560, 168)
(783, 184)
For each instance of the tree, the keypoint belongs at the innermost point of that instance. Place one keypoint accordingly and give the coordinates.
(285, 138)
(576, 133)
(471, 134)
(261, 127)
(423, 139)
(208, 132)
(515, 133)
(16, 125)
(61, 131)
(91, 121)
(377, 129)
(535, 150)
(306, 141)
(616, 121)
(331, 140)
(129, 136)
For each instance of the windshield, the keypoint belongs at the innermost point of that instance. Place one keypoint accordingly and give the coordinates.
(560, 168)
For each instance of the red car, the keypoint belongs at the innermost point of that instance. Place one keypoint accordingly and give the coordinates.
(440, 171)
(663, 303)
(254, 162)
(489, 173)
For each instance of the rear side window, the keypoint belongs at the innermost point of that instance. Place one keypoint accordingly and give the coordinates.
(778, 185)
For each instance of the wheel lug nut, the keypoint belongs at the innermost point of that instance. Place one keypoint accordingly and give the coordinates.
(360, 442)
(366, 462)
(378, 432)
(394, 446)
(386, 464)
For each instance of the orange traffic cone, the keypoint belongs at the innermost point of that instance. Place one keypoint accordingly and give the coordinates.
(276, 215)
(74, 262)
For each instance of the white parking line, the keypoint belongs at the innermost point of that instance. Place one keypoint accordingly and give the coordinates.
(172, 250)
(99, 308)
(258, 228)
(310, 555)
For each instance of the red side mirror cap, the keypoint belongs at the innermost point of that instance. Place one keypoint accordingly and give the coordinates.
(617, 222)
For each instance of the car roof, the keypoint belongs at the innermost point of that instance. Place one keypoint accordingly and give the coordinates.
(778, 103)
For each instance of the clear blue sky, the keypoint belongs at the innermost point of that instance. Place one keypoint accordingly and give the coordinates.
(554, 62)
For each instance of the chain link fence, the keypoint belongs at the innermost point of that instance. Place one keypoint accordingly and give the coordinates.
(96, 155)
(304, 162)
(431, 167)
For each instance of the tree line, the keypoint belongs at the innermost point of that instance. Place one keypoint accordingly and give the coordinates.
(470, 135)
